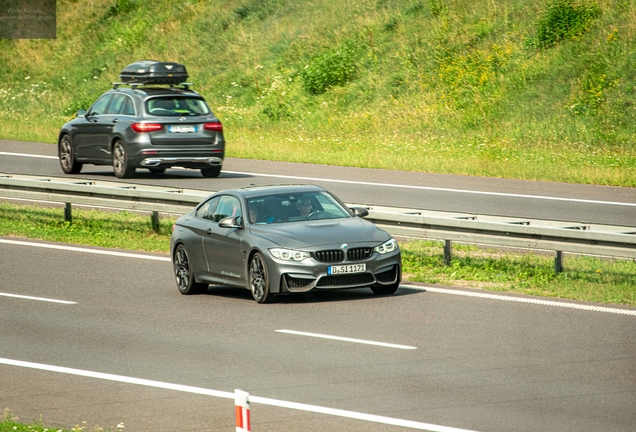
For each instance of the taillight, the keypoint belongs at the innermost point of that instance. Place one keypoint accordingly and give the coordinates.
(146, 127)
(214, 126)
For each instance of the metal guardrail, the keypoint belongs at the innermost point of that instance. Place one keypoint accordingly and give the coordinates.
(558, 236)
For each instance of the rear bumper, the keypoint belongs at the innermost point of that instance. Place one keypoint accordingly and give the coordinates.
(186, 162)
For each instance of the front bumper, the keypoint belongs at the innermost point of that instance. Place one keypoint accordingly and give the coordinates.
(309, 274)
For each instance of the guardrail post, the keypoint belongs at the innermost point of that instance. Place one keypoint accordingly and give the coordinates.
(154, 219)
(242, 403)
(558, 262)
(447, 252)
(68, 213)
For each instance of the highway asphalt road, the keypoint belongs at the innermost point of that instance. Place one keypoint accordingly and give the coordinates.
(515, 198)
(125, 347)
(454, 361)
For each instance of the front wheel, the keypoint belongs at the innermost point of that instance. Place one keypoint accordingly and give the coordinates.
(66, 154)
(184, 273)
(120, 161)
(211, 172)
(259, 279)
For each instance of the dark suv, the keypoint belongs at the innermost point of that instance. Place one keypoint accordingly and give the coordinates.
(136, 125)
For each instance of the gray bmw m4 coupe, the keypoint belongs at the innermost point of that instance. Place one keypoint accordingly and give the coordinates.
(280, 240)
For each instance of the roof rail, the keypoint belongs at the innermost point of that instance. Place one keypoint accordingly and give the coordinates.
(184, 85)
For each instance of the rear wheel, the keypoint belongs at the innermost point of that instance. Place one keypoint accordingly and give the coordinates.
(120, 161)
(211, 172)
(184, 273)
(259, 279)
(66, 153)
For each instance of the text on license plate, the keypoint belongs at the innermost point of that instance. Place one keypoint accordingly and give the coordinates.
(182, 128)
(352, 268)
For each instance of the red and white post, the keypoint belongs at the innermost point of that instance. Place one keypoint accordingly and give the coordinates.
(242, 402)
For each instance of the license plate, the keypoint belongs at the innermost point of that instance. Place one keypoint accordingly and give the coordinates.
(182, 128)
(352, 268)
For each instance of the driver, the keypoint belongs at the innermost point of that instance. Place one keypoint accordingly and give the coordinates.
(304, 206)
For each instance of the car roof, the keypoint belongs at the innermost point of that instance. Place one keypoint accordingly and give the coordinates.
(156, 91)
(255, 191)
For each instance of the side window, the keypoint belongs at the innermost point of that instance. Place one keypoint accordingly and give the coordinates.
(115, 104)
(128, 107)
(206, 211)
(228, 206)
(99, 107)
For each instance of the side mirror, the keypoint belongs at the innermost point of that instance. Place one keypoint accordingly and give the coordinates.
(80, 113)
(231, 222)
(360, 211)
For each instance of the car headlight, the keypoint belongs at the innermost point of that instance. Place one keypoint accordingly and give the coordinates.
(387, 247)
(289, 254)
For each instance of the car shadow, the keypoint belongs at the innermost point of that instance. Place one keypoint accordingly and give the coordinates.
(324, 296)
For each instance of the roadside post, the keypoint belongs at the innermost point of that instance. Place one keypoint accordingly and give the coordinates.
(242, 404)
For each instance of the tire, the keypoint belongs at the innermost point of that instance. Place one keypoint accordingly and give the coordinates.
(259, 279)
(120, 161)
(66, 154)
(159, 170)
(183, 273)
(211, 172)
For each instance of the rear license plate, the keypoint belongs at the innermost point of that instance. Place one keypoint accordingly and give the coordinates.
(182, 128)
(352, 268)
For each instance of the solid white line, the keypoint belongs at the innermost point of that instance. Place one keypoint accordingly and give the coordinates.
(523, 300)
(392, 185)
(86, 250)
(345, 339)
(37, 298)
(562, 304)
(438, 189)
(231, 395)
(28, 155)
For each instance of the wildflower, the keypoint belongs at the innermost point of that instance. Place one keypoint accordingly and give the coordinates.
(26, 78)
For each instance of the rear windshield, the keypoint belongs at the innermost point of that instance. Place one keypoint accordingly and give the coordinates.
(176, 106)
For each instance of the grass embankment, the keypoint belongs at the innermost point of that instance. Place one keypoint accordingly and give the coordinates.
(584, 278)
(541, 90)
(10, 423)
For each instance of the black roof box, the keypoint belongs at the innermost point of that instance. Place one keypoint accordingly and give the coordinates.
(154, 72)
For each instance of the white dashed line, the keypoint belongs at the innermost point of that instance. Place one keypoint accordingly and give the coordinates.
(36, 298)
(345, 339)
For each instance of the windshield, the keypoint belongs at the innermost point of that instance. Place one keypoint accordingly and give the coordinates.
(176, 106)
(282, 208)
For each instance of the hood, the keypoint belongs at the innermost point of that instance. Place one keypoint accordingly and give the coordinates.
(308, 235)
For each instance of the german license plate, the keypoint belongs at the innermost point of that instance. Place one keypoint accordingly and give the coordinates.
(182, 128)
(351, 268)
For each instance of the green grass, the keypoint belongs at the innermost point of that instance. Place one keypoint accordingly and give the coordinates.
(495, 89)
(11, 423)
(585, 278)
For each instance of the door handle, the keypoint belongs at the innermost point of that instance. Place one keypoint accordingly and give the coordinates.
(208, 231)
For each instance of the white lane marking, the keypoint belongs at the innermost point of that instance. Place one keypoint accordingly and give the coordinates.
(523, 300)
(28, 155)
(37, 298)
(231, 395)
(346, 339)
(86, 250)
(394, 185)
(509, 195)
(563, 304)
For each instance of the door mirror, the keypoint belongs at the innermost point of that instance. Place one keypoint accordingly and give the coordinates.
(360, 211)
(231, 222)
(80, 113)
